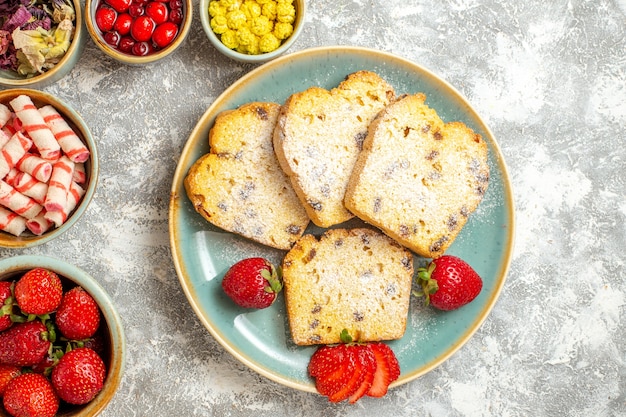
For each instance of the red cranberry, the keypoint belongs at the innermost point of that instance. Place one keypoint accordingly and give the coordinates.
(105, 18)
(176, 16)
(176, 4)
(142, 28)
(164, 34)
(142, 49)
(112, 38)
(126, 44)
(123, 23)
(157, 11)
(136, 10)
(119, 5)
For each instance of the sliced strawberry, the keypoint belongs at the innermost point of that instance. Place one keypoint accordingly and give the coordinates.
(387, 369)
(325, 360)
(329, 365)
(353, 377)
(368, 367)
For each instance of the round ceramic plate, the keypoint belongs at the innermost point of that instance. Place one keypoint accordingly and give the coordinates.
(260, 338)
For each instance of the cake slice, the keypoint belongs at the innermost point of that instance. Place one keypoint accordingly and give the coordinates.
(239, 185)
(418, 179)
(318, 137)
(353, 279)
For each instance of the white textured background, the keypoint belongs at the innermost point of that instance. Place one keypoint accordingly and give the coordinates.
(549, 78)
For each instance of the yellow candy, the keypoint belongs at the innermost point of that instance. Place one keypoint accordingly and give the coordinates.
(269, 43)
(252, 9)
(231, 5)
(219, 24)
(216, 9)
(285, 12)
(283, 30)
(261, 26)
(269, 10)
(236, 19)
(229, 39)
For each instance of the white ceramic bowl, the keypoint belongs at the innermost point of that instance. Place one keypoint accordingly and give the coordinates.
(205, 18)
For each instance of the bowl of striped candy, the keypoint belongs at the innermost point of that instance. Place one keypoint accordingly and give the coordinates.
(48, 167)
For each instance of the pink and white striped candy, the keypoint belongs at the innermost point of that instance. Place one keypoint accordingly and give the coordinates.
(5, 115)
(74, 195)
(59, 184)
(37, 129)
(12, 152)
(35, 166)
(17, 202)
(4, 138)
(29, 186)
(70, 143)
(38, 225)
(11, 222)
(80, 175)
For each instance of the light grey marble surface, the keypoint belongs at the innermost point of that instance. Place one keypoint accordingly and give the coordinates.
(549, 78)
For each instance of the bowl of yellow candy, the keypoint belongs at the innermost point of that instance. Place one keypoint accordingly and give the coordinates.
(252, 31)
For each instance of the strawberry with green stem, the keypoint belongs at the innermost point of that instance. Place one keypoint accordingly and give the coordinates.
(38, 292)
(79, 376)
(252, 283)
(25, 344)
(448, 283)
(78, 315)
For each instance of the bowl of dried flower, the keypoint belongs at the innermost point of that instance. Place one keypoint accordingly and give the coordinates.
(40, 42)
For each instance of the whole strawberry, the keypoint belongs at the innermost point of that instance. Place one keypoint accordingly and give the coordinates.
(38, 291)
(79, 376)
(24, 344)
(449, 283)
(30, 395)
(78, 316)
(6, 304)
(252, 283)
(7, 373)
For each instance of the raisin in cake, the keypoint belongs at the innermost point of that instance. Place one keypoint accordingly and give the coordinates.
(418, 178)
(319, 135)
(239, 185)
(353, 279)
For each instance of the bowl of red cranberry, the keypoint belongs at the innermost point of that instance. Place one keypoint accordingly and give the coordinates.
(62, 344)
(138, 32)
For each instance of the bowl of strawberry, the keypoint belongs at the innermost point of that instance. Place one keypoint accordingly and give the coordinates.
(62, 345)
(138, 32)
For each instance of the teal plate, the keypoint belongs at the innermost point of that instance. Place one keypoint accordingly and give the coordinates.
(260, 339)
